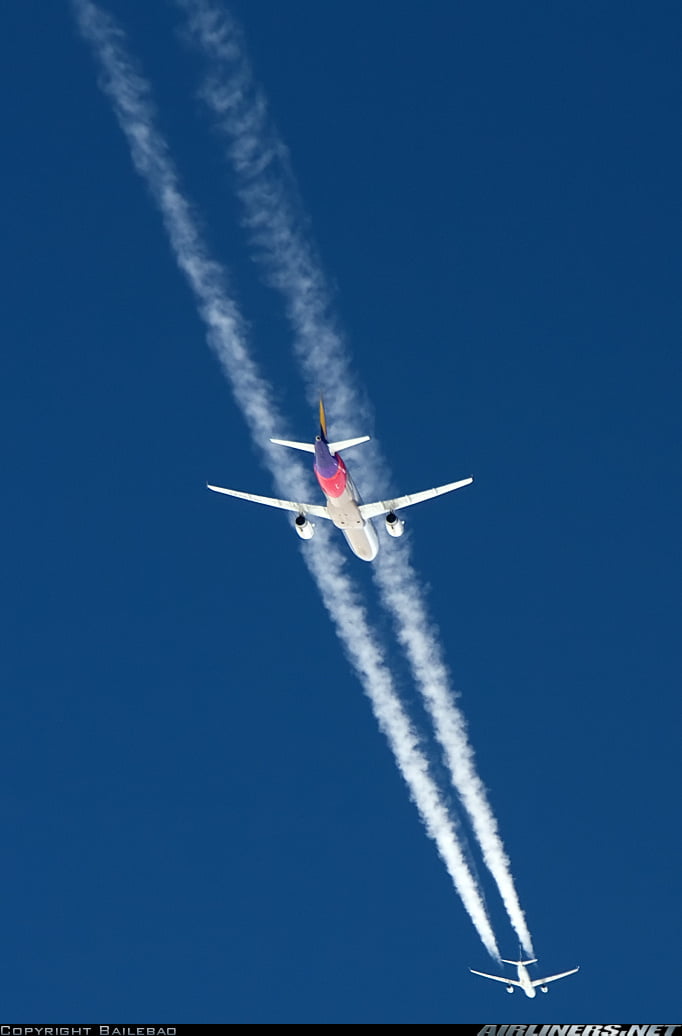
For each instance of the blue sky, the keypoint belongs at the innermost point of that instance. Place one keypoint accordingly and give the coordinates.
(201, 818)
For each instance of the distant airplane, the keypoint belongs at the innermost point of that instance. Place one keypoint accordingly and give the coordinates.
(524, 980)
(344, 506)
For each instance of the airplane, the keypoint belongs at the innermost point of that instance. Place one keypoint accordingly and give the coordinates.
(344, 505)
(524, 981)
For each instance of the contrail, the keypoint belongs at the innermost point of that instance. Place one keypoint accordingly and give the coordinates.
(272, 212)
(273, 216)
(350, 619)
(129, 94)
(401, 593)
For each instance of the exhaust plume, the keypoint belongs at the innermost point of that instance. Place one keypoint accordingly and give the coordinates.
(274, 220)
(129, 95)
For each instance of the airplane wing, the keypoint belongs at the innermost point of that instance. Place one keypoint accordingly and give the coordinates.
(553, 978)
(287, 505)
(385, 506)
(497, 978)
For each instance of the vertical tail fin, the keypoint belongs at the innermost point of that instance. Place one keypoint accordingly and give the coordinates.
(323, 421)
(334, 447)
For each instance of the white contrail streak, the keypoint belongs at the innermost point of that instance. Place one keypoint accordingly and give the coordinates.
(401, 593)
(350, 618)
(272, 212)
(268, 194)
(129, 95)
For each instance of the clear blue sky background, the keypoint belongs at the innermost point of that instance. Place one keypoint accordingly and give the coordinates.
(200, 818)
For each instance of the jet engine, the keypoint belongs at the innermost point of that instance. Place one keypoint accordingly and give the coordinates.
(394, 525)
(510, 989)
(544, 989)
(304, 528)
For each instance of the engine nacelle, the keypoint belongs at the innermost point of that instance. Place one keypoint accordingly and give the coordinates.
(544, 989)
(394, 525)
(510, 989)
(304, 528)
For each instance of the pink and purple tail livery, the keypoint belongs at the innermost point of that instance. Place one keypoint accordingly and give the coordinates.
(330, 470)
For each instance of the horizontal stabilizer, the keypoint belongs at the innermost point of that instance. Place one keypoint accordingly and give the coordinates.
(386, 506)
(345, 444)
(307, 447)
(285, 505)
(517, 962)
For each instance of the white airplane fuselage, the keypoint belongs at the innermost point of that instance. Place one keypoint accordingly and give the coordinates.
(525, 982)
(343, 502)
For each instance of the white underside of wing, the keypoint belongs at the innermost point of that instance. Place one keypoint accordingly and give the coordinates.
(385, 506)
(553, 978)
(496, 978)
(286, 505)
